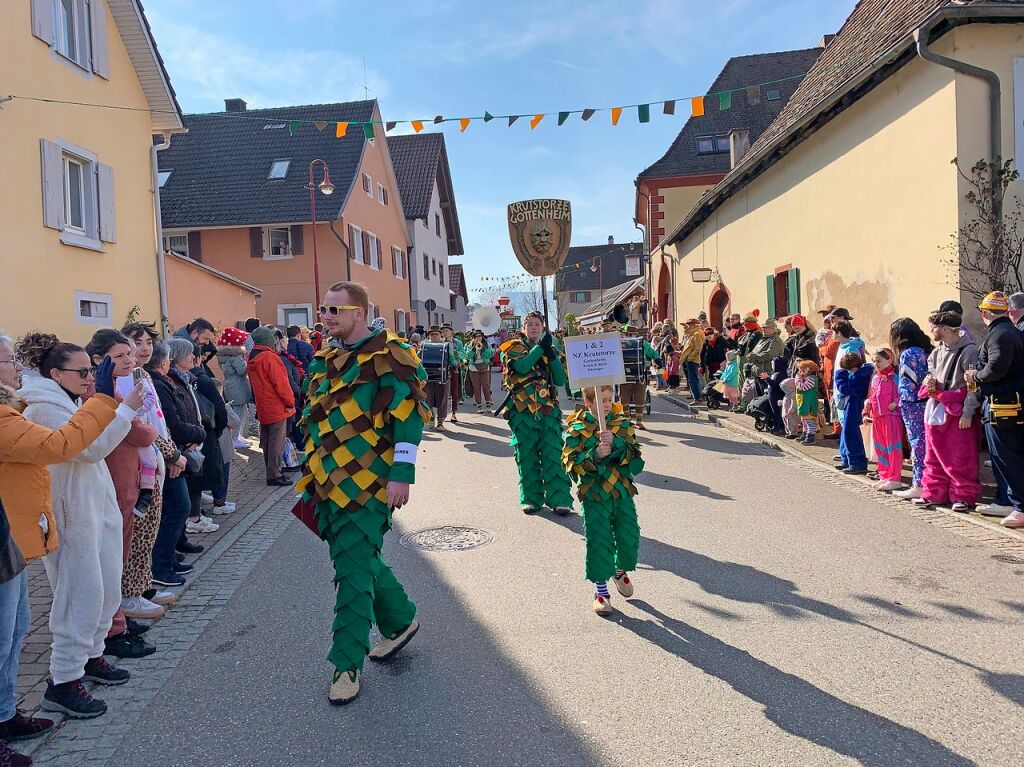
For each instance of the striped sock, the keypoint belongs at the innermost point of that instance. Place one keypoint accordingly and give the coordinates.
(602, 589)
(810, 428)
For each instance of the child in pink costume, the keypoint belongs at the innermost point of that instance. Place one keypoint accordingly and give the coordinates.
(883, 407)
(951, 459)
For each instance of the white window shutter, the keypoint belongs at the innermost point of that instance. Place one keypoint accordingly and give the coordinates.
(53, 184)
(42, 20)
(105, 185)
(100, 54)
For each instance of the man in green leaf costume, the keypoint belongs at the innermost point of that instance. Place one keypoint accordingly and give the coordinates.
(533, 373)
(364, 421)
(603, 462)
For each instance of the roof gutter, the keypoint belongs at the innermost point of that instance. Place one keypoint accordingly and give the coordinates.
(774, 150)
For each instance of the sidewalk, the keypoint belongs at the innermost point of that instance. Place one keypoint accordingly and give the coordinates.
(247, 489)
(822, 452)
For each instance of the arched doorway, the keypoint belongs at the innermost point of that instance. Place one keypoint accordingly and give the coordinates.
(718, 305)
(664, 292)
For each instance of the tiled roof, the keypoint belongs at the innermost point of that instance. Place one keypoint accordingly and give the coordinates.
(457, 281)
(220, 166)
(419, 159)
(682, 158)
(611, 270)
(600, 307)
(877, 35)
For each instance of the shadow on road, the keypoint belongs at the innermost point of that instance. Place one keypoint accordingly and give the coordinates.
(497, 448)
(794, 704)
(664, 482)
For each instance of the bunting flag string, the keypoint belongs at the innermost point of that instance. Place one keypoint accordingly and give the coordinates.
(698, 107)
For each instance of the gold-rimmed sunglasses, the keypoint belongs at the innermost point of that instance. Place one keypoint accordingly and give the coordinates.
(334, 311)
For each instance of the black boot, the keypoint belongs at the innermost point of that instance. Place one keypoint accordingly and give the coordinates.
(127, 645)
(72, 699)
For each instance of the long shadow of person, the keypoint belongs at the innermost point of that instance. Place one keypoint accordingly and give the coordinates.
(794, 704)
(480, 444)
(665, 482)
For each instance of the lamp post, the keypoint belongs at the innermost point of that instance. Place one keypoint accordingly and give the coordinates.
(327, 188)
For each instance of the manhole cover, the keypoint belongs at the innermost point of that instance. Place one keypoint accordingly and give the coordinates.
(448, 538)
(1008, 559)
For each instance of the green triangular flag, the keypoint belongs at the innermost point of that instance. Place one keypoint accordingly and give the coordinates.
(368, 130)
(643, 111)
(562, 117)
(724, 101)
(293, 127)
(488, 117)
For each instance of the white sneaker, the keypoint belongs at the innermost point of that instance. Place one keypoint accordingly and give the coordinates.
(164, 598)
(227, 508)
(242, 444)
(203, 525)
(140, 607)
(909, 494)
(207, 498)
(888, 486)
(1014, 520)
(993, 509)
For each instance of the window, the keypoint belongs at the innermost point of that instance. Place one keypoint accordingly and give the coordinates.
(355, 244)
(440, 273)
(773, 94)
(713, 144)
(398, 262)
(721, 143)
(437, 224)
(176, 243)
(74, 194)
(65, 29)
(401, 320)
(382, 194)
(277, 243)
(93, 308)
(581, 297)
(433, 266)
(368, 184)
(373, 251)
(78, 195)
(162, 176)
(783, 290)
(75, 30)
(426, 266)
(279, 168)
(294, 314)
(371, 311)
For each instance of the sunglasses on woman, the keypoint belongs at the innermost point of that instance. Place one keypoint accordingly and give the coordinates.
(82, 372)
(334, 311)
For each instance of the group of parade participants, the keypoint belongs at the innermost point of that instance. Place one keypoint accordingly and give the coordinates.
(368, 400)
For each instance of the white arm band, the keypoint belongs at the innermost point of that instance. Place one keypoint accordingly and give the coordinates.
(405, 452)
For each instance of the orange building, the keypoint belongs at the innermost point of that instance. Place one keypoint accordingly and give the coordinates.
(235, 197)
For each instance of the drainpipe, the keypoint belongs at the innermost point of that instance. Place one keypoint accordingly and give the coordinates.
(161, 274)
(921, 36)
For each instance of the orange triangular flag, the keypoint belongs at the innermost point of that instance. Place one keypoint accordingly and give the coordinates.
(616, 114)
(340, 131)
(536, 121)
(697, 106)
(463, 124)
(417, 125)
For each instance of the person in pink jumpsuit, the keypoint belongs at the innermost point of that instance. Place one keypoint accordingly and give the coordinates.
(951, 457)
(883, 408)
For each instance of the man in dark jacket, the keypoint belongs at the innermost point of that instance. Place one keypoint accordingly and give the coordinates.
(712, 354)
(1000, 379)
(298, 348)
(801, 345)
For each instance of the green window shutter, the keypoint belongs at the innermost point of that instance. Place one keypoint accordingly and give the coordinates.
(770, 280)
(794, 291)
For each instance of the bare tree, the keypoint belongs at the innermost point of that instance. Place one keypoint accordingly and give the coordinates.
(985, 253)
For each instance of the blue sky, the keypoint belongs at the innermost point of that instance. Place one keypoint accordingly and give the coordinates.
(459, 58)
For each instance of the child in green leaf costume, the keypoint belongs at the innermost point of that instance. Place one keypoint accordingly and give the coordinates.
(603, 463)
(533, 373)
(364, 420)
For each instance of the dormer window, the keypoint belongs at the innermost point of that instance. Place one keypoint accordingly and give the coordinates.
(773, 94)
(279, 168)
(162, 176)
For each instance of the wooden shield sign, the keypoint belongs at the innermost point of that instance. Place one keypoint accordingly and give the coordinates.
(540, 231)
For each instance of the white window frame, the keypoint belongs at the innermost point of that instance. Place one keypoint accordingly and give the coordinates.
(282, 314)
(371, 312)
(93, 298)
(60, 30)
(267, 254)
(403, 320)
(89, 235)
(398, 255)
(274, 163)
(373, 257)
(382, 194)
(68, 161)
(168, 236)
(357, 247)
(368, 185)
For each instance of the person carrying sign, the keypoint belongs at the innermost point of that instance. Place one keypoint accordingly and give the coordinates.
(603, 463)
(532, 374)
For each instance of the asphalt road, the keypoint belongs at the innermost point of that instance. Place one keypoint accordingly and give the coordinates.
(779, 619)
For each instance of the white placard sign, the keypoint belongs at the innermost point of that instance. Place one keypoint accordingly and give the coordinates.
(595, 360)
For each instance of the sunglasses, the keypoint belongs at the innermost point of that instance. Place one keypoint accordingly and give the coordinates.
(82, 372)
(334, 311)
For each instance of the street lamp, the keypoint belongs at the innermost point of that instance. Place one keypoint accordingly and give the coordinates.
(326, 188)
(598, 265)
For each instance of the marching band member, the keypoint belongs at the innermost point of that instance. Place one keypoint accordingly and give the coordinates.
(478, 355)
(437, 391)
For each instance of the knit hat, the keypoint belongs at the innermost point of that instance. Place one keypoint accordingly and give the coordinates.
(996, 301)
(264, 336)
(770, 324)
(951, 306)
(798, 321)
(749, 318)
(232, 337)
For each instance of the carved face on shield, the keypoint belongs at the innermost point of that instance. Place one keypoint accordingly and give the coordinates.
(540, 237)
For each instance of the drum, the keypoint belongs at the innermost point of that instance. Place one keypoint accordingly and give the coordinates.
(637, 369)
(434, 357)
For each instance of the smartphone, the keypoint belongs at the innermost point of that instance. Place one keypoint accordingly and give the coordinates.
(136, 375)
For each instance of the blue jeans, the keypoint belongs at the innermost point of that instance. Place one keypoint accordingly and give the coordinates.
(222, 491)
(14, 621)
(693, 378)
(1006, 447)
(851, 442)
(172, 525)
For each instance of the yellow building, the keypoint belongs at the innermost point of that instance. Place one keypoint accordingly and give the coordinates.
(77, 201)
(850, 196)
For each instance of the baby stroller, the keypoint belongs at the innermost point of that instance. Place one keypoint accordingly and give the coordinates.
(753, 387)
(712, 396)
(761, 411)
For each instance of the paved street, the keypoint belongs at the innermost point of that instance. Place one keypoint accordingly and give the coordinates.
(783, 616)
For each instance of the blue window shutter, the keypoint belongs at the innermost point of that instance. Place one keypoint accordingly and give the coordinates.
(794, 290)
(770, 281)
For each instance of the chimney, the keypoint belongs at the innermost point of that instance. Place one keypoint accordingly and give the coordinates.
(611, 240)
(826, 40)
(739, 145)
(234, 105)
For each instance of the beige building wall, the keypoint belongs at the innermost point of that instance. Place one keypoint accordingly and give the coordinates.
(194, 292)
(679, 200)
(861, 208)
(42, 275)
